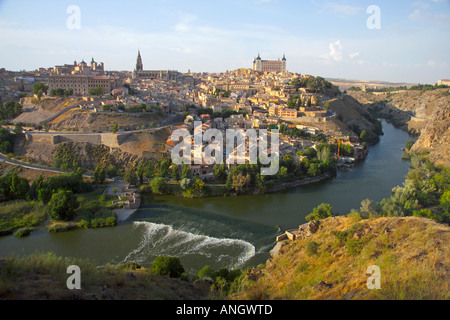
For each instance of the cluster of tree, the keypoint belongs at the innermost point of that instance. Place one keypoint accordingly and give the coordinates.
(39, 89)
(66, 157)
(222, 114)
(59, 92)
(294, 132)
(6, 141)
(246, 178)
(132, 109)
(10, 110)
(295, 102)
(225, 93)
(224, 280)
(57, 191)
(314, 84)
(368, 137)
(424, 87)
(425, 192)
(98, 91)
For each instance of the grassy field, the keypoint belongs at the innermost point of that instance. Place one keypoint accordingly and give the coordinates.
(21, 214)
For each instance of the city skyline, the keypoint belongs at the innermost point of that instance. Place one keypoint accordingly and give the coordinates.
(324, 38)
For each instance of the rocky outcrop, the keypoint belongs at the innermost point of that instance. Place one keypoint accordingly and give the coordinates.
(435, 138)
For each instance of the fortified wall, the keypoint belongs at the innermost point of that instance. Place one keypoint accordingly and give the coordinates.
(108, 139)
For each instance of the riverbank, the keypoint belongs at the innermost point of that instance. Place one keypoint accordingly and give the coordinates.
(303, 182)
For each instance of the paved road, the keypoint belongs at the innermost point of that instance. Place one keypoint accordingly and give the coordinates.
(4, 159)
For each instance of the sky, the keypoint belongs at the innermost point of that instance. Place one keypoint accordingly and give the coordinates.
(399, 41)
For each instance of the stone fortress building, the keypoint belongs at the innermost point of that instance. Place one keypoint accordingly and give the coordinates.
(81, 77)
(269, 65)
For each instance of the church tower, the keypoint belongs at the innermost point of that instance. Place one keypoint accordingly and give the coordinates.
(283, 65)
(139, 65)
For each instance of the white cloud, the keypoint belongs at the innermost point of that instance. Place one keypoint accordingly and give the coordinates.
(342, 9)
(353, 55)
(335, 52)
(421, 15)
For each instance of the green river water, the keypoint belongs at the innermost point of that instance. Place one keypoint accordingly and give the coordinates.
(223, 231)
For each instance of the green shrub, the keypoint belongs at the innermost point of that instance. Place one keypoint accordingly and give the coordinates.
(354, 246)
(302, 266)
(323, 211)
(206, 273)
(83, 224)
(128, 266)
(22, 232)
(312, 248)
(167, 266)
(62, 205)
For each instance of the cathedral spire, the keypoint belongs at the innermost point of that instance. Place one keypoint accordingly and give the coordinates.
(139, 65)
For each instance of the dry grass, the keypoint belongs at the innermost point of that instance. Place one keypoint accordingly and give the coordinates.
(412, 254)
(43, 277)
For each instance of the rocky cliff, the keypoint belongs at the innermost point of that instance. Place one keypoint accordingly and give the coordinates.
(425, 114)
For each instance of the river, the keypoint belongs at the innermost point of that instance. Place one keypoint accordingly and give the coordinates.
(231, 232)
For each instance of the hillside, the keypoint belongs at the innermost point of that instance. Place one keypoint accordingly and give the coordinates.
(44, 276)
(351, 112)
(331, 262)
(35, 112)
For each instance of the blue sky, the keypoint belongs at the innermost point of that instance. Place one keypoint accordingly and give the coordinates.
(319, 37)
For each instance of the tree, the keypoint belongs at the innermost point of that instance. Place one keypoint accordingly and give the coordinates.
(409, 145)
(164, 166)
(98, 91)
(167, 266)
(130, 176)
(282, 173)
(220, 172)
(140, 172)
(13, 187)
(18, 129)
(69, 92)
(186, 172)
(115, 128)
(206, 273)
(175, 173)
(6, 141)
(62, 205)
(198, 184)
(321, 212)
(99, 175)
(158, 185)
(40, 87)
(240, 182)
(59, 92)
